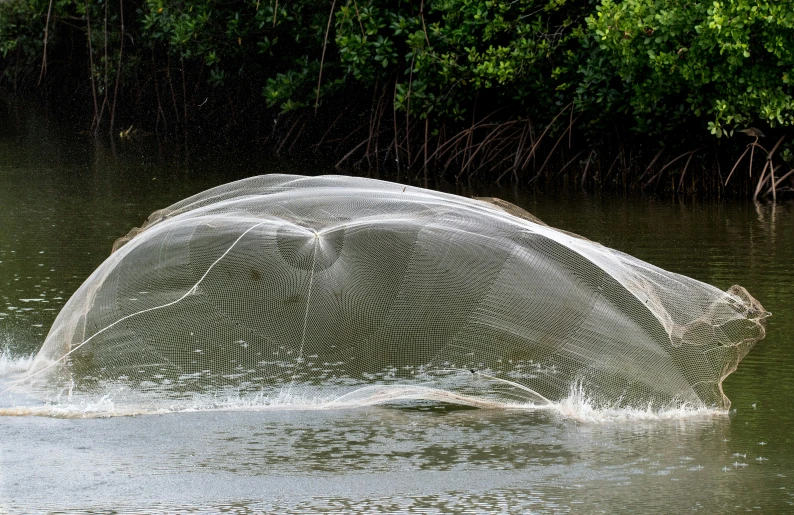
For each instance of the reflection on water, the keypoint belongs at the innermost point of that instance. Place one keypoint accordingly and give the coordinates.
(433, 459)
(63, 201)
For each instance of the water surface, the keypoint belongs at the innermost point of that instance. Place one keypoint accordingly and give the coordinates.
(65, 199)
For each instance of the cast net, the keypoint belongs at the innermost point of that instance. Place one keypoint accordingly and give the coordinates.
(351, 290)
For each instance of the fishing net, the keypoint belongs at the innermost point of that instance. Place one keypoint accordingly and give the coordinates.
(357, 290)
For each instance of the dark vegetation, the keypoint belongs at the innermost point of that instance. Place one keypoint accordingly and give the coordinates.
(639, 94)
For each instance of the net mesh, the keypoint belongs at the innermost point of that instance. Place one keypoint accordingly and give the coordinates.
(356, 289)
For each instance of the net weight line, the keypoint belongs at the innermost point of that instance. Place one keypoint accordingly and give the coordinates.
(339, 400)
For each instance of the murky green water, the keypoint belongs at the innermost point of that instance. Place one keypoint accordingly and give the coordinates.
(63, 200)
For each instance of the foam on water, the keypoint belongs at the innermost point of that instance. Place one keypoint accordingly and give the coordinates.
(118, 400)
(100, 409)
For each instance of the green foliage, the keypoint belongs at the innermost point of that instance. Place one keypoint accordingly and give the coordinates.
(728, 63)
(662, 65)
(20, 29)
(444, 52)
(273, 43)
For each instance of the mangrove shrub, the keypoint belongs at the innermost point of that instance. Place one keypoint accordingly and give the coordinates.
(663, 71)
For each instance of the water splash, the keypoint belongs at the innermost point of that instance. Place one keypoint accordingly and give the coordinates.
(13, 365)
(578, 406)
(116, 399)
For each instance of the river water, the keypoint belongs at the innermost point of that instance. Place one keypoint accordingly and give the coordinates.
(65, 199)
